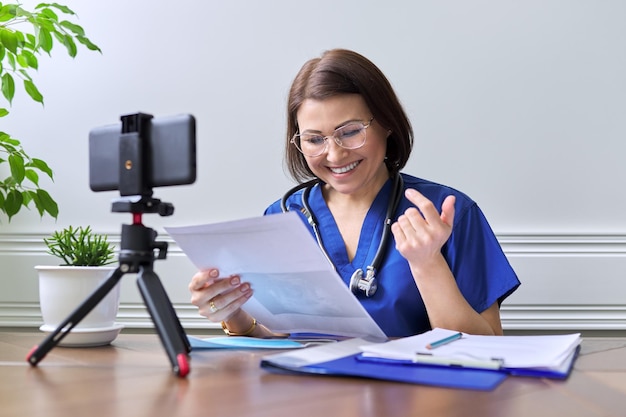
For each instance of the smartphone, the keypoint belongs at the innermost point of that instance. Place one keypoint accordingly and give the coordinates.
(170, 153)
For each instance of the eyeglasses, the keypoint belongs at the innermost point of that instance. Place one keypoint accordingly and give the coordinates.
(350, 136)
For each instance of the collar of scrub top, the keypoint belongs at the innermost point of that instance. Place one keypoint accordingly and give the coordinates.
(358, 283)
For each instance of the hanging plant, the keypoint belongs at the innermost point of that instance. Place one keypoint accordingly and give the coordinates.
(39, 32)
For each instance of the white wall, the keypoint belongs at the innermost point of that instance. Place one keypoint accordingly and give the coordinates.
(519, 104)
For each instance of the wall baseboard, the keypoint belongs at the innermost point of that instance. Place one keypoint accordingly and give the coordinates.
(564, 317)
(569, 282)
(131, 315)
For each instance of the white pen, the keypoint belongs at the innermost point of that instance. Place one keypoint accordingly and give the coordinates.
(461, 363)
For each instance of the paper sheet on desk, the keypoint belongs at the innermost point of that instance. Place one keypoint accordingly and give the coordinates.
(295, 288)
(515, 351)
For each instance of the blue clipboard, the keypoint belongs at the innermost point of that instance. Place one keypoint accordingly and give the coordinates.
(397, 371)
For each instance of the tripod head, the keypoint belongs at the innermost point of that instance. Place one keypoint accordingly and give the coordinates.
(142, 204)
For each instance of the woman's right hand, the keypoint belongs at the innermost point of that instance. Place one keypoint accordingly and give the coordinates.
(218, 298)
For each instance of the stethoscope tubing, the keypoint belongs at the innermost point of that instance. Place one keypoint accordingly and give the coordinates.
(394, 202)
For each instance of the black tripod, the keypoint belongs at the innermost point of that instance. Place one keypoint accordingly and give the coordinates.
(138, 251)
(137, 255)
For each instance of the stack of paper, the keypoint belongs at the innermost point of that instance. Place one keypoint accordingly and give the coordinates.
(547, 355)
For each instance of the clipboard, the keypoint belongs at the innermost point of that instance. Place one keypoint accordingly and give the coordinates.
(561, 372)
(343, 359)
(354, 366)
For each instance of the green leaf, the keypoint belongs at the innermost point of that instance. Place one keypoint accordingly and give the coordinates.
(11, 59)
(90, 45)
(31, 59)
(42, 166)
(49, 14)
(57, 6)
(43, 23)
(8, 140)
(32, 196)
(69, 43)
(48, 203)
(3, 112)
(21, 41)
(32, 91)
(27, 198)
(7, 12)
(32, 176)
(25, 74)
(72, 27)
(32, 41)
(13, 203)
(22, 60)
(45, 40)
(16, 162)
(8, 87)
(8, 39)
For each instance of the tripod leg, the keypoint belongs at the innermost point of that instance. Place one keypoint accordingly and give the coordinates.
(165, 320)
(38, 352)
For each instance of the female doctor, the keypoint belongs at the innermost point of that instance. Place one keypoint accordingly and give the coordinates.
(417, 254)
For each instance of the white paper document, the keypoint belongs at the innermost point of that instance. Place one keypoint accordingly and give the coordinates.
(295, 288)
(544, 351)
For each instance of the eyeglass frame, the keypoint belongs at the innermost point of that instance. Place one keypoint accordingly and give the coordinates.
(335, 138)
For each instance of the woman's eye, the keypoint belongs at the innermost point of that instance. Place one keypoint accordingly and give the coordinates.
(315, 140)
(349, 131)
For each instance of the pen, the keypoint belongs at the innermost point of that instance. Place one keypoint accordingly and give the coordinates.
(444, 341)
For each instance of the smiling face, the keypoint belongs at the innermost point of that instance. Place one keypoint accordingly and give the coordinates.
(352, 172)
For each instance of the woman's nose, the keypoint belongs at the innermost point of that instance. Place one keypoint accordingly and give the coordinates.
(333, 150)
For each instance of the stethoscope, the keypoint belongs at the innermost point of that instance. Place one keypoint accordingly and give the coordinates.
(367, 284)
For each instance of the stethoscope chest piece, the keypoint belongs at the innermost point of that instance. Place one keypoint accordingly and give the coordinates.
(366, 284)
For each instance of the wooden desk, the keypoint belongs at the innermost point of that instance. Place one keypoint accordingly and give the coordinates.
(132, 377)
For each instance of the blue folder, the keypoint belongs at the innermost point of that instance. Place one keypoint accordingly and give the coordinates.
(355, 366)
(358, 365)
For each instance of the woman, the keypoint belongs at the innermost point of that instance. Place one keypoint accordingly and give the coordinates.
(348, 131)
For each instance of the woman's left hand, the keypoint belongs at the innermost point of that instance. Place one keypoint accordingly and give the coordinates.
(420, 234)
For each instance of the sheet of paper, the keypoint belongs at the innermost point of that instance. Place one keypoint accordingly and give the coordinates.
(317, 354)
(515, 351)
(295, 288)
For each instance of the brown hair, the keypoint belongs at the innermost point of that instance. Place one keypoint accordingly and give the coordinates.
(340, 71)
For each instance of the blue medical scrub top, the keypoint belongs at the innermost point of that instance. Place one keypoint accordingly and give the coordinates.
(482, 271)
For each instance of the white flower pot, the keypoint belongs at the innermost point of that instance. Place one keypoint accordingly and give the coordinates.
(63, 288)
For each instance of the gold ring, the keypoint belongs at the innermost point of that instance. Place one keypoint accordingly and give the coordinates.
(212, 307)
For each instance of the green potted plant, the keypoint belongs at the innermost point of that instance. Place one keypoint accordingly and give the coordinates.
(80, 247)
(85, 258)
(24, 36)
